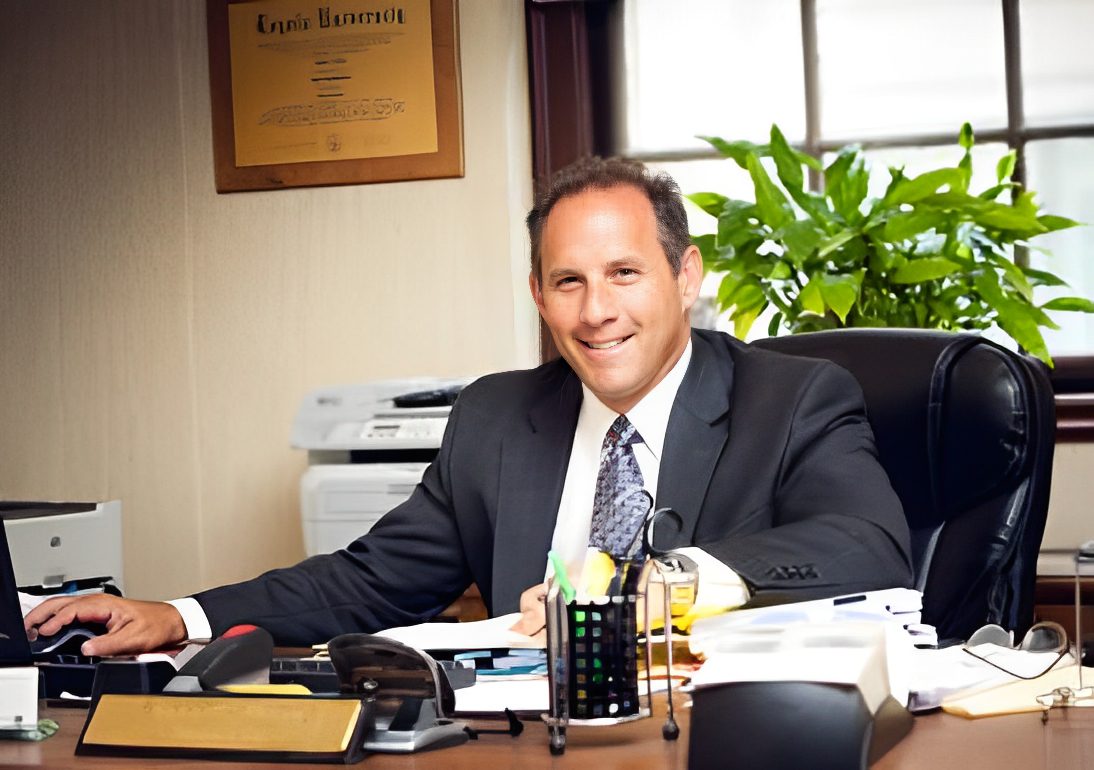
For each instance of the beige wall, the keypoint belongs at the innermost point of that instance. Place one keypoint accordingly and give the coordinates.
(1070, 520)
(156, 338)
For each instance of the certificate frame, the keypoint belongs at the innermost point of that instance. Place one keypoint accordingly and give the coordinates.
(447, 161)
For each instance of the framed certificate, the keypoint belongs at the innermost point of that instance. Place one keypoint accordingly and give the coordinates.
(328, 92)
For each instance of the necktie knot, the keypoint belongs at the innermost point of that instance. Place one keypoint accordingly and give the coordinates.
(622, 433)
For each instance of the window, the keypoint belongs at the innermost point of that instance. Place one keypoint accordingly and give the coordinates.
(897, 77)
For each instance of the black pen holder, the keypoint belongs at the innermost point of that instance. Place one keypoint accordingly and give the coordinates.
(603, 659)
(592, 663)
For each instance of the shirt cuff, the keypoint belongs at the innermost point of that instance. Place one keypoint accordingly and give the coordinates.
(719, 585)
(193, 617)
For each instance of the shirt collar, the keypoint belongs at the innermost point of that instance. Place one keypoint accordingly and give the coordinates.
(650, 416)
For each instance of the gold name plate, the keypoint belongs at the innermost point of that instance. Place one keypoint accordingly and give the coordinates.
(227, 726)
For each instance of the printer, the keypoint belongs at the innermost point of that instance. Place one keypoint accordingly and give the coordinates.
(368, 446)
(64, 546)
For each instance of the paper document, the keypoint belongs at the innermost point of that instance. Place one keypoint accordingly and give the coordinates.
(1017, 697)
(495, 695)
(938, 674)
(478, 635)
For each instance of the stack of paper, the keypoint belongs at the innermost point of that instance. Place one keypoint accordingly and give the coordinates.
(896, 610)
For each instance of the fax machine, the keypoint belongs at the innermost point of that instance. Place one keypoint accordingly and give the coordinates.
(368, 446)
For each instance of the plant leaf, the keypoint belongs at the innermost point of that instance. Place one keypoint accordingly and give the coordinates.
(773, 324)
(801, 238)
(1015, 318)
(705, 243)
(811, 297)
(846, 182)
(834, 242)
(839, 293)
(917, 188)
(965, 137)
(1051, 223)
(1004, 169)
(738, 151)
(1072, 304)
(786, 163)
(772, 205)
(906, 224)
(925, 269)
(1042, 277)
(1003, 217)
(709, 202)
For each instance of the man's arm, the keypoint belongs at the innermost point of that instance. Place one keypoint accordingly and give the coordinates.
(836, 525)
(409, 567)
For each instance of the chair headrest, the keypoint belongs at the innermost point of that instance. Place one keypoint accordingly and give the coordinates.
(951, 412)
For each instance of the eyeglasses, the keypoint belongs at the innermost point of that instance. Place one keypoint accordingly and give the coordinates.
(1065, 696)
(1045, 636)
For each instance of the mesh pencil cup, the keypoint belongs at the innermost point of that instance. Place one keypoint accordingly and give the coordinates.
(592, 663)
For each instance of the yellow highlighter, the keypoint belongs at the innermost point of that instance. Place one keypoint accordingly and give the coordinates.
(265, 689)
(596, 573)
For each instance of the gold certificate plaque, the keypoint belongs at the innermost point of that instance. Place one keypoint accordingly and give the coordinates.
(311, 92)
(302, 74)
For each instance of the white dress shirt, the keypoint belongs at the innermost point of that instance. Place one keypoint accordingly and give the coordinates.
(719, 585)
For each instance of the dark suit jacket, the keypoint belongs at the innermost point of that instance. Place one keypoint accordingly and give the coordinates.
(769, 460)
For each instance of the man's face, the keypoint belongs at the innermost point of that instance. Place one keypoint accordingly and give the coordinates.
(615, 310)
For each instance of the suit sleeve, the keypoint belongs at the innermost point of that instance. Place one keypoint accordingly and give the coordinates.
(408, 568)
(837, 525)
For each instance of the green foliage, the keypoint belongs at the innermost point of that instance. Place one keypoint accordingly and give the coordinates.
(928, 253)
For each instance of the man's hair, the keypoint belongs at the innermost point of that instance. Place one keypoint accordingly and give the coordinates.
(603, 174)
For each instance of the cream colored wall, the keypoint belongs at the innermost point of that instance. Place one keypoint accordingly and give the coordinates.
(1070, 520)
(156, 338)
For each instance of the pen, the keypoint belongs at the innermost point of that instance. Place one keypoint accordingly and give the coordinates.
(848, 600)
(564, 584)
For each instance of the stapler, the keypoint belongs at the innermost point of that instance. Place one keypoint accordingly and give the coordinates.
(239, 656)
(412, 695)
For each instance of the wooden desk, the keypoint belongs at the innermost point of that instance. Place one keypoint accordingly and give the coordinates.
(937, 741)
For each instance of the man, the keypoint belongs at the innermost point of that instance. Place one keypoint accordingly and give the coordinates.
(769, 460)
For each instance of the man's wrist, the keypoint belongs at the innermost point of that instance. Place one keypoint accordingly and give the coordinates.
(719, 584)
(194, 618)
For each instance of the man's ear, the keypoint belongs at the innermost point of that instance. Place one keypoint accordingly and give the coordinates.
(536, 289)
(690, 277)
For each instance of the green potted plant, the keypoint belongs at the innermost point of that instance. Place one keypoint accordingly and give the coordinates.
(928, 253)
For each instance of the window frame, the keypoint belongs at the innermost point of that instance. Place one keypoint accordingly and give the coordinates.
(572, 55)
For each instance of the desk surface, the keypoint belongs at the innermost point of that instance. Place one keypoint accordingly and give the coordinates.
(937, 741)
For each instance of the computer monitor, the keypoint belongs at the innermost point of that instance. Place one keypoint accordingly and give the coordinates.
(14, 647)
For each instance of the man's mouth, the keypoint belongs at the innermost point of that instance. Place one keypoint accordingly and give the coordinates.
(606, 345)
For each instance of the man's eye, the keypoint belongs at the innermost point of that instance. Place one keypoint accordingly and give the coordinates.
(626, 272)
(567, 281)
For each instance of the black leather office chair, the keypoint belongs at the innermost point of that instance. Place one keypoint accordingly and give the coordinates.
(966, 431)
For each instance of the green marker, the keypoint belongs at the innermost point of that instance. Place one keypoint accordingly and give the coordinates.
(564, 584)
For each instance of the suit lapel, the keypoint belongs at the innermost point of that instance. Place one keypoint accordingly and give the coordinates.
(697, 432)
(533, 470)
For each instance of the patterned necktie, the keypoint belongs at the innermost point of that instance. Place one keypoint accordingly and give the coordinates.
(620, 504)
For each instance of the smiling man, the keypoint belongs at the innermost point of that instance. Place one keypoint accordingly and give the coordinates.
(768, 459)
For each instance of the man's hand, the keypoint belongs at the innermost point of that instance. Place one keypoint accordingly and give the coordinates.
(533, 615)
(132, 626)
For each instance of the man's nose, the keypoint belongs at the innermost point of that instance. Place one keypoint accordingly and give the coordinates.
(599, 305)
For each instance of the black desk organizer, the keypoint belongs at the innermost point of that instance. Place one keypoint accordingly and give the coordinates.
(602, 681)
(592, 661)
